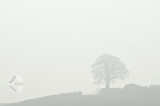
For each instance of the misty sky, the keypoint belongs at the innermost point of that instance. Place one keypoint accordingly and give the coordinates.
(51, 44)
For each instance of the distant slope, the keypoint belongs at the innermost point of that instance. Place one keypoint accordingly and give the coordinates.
(107, 97)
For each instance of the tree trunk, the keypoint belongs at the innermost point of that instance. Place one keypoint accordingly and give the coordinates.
(107, 85)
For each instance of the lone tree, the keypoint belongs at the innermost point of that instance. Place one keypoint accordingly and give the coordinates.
(108, 68)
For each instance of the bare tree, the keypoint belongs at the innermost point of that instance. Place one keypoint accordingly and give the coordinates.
(107, 68)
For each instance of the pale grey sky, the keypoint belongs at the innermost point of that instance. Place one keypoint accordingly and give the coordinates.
(51, 44)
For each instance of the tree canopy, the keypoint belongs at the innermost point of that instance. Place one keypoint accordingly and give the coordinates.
(107, 68)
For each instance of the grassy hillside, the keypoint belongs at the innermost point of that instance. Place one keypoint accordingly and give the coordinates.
(131, 95)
